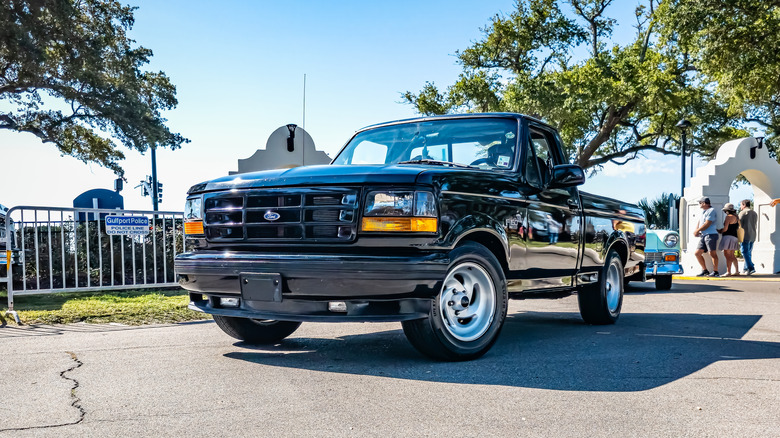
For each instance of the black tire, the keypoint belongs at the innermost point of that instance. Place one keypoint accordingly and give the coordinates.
(600, 303)
(663, 282)
(256, 331)
(443, 335)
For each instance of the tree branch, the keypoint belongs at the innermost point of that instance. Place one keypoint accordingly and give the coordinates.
(635, 149)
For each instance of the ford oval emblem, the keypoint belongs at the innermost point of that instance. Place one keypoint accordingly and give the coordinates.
(271, 215)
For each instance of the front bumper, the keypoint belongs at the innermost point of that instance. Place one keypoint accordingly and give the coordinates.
(304, 287)
(656, 269)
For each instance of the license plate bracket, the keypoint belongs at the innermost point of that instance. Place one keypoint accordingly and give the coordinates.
(261, 287)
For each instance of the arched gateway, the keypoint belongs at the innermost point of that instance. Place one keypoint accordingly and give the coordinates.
(744, 156)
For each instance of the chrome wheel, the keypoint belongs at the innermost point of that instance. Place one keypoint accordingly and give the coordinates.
(600, 302)
(467, 301)
(613, 285)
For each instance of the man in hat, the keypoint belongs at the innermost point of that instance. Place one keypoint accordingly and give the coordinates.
(748, 220)
(708, 232)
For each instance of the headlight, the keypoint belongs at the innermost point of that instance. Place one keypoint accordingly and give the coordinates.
(193, 216)
(400, 211)
(193, 209)
(671, 240)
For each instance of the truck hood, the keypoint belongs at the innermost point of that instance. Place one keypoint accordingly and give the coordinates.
(315, 176)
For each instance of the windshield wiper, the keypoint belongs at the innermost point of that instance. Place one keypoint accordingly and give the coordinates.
(438, 163)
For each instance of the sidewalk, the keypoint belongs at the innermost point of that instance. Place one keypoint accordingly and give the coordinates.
(743, 277)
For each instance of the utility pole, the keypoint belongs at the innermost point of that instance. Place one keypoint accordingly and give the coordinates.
(155, 188)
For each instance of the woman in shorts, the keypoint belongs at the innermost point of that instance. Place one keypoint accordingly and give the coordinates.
(729, 242)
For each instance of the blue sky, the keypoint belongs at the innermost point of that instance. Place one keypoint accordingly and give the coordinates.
(239, 67)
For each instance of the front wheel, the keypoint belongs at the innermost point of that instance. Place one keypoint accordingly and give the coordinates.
(469, 311)
(663, 282)
(601, 303)
(256, 331)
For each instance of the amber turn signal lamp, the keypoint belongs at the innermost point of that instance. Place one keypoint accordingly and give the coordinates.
(670, 258)
(402, 224)
(195, 227)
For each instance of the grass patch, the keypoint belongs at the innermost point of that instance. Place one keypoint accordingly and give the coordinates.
(137, 307)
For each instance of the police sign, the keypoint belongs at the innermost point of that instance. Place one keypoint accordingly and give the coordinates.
(127, 225)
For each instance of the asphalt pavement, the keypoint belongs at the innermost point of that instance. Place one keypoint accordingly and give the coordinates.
(700, 360)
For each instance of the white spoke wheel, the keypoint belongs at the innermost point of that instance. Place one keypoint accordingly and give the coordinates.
(468, 301)
(467, 314)
(600, 303)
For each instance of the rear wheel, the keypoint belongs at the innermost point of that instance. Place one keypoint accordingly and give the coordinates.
(601, 303)
(256, 331)
(663, 282)
(469, 311)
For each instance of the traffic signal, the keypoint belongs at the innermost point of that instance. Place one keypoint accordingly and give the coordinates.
(146, 186)
(159, 192)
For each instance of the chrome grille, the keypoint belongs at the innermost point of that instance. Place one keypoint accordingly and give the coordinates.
(276, 215)
(658, 256)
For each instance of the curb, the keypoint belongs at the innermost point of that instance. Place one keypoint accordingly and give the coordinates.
(775, 278)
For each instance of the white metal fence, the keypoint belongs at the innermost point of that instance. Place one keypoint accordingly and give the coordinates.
(51, 250)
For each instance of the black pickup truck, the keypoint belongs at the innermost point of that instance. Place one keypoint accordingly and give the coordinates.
(435, 222)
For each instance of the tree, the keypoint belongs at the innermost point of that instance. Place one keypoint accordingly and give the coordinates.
(657, 210)
(72, 77)
(613, 104)
(734, 43)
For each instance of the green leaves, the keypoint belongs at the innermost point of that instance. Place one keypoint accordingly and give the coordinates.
(657, 210)
(58, 54)
(622, 99)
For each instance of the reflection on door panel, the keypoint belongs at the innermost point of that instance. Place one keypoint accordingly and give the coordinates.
(553, 219)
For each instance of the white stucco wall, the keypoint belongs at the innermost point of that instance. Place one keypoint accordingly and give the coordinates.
(714, 181)
(276, 156)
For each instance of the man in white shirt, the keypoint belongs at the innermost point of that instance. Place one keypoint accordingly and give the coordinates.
(708, 232)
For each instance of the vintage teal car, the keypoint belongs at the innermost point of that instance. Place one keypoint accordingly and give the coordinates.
(662, 257)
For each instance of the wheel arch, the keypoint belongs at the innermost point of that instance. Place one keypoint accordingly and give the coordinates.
(619, 245)
(490, 240)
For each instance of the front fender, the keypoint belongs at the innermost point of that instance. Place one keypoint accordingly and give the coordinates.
(477, 223)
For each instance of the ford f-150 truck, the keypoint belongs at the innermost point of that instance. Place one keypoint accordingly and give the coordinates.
(435, 222)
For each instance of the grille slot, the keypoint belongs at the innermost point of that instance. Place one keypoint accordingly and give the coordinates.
(323, 216)
(299, 214)
(266, 201)
(323, 199)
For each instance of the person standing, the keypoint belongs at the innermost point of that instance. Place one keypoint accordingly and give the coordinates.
(748, 220)
(553, 229)
(729, 242)
(708, 232)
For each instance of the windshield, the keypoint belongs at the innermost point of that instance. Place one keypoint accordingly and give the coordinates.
(483, 143)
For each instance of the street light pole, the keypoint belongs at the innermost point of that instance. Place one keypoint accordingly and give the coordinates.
(683, 125)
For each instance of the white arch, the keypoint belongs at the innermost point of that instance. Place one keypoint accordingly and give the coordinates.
(714, 181)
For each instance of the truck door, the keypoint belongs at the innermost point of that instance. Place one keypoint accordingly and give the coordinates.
(554, 224)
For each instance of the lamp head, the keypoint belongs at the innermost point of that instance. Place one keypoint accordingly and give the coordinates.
(683, 124)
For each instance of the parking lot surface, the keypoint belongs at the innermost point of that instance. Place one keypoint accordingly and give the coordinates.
(700, 360)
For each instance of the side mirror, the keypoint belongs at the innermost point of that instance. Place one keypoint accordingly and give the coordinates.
(567, 175)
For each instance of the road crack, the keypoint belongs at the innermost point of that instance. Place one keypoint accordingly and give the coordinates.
(75, 400)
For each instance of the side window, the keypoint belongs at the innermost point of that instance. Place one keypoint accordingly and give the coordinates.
(541, 142)
(532, 170)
